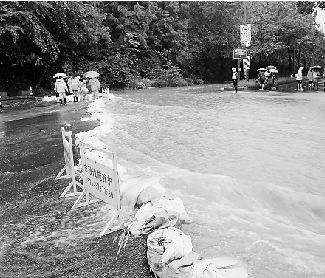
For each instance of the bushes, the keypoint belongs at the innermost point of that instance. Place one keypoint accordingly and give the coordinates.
(199, 81)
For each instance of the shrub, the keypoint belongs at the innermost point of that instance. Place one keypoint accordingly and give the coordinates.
(136, 84)
(160, 83)
(189, 81)
(198, 81)
(178, 82)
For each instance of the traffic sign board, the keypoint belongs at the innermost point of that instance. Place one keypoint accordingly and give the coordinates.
(247, 63)
(239, 53)
(245, 35)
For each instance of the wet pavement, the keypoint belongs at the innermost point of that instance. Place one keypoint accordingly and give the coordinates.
(37, 227)
(40, 236)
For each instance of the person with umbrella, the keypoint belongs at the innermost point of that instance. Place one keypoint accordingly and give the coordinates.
(316, 70)
(75, 88)
(261, 78)
(83, 91)
(310, 78)
(94, 83)
(61, 88)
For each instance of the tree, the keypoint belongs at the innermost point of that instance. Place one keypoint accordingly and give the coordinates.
(39, 38)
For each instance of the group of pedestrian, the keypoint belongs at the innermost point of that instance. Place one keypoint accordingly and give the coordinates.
(267, 78)
(78, 87)
(313, 76)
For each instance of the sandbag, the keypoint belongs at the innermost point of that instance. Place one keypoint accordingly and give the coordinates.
(219, 268)
(166, 245)
(163, 213)
(181, 268)
(152, 194)
(131, 189)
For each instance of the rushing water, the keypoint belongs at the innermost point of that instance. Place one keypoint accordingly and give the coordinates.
(249, 167)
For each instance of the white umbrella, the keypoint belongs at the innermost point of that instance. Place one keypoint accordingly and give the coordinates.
(91, 74)
(60, 74)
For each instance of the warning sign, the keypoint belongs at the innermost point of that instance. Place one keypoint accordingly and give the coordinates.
(245, 35)
(100, 180)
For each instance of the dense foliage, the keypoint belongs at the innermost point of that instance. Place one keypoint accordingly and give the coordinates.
(173, 43)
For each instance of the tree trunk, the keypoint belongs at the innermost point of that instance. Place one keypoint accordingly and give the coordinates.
(290, 65)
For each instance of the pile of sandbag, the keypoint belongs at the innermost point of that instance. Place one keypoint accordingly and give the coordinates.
(170, 255)
(159, 213)
(158, 208)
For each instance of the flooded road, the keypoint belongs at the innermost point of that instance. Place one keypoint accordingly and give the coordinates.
(249, 168)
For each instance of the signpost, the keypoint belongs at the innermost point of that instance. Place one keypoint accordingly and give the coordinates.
(239, 54)
(246, 65)
(68, 168)
(100, 179)
(245, 41)
(245, 35)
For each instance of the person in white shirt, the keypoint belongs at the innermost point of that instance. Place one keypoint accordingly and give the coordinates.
(235, 79)
(83, 91)
(75, 88)
(299, 79)
(61, 88)
(1, 108)
(94, 87)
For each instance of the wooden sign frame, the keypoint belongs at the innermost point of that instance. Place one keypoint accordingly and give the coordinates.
(68, 168)
(101, 181)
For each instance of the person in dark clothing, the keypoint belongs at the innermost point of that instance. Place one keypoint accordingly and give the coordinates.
(235, 79)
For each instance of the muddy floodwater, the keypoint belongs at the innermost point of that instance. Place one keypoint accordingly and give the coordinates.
(249, 168)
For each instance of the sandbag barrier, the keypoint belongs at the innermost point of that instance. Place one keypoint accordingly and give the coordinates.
(159, 214)
(169, 251)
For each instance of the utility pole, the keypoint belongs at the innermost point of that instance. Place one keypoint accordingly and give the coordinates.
(245, 12)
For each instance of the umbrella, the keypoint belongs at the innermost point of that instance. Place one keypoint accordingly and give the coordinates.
(271, 67)
(60, 74)
(91, 74)
(261, 69)
(316, 67)
(274, 70)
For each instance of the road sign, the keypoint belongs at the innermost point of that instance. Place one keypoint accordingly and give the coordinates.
(245, 35)
(247, 63)
(100, 179)
(239, 53)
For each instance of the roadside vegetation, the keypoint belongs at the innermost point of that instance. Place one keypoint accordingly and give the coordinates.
(145, 44)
